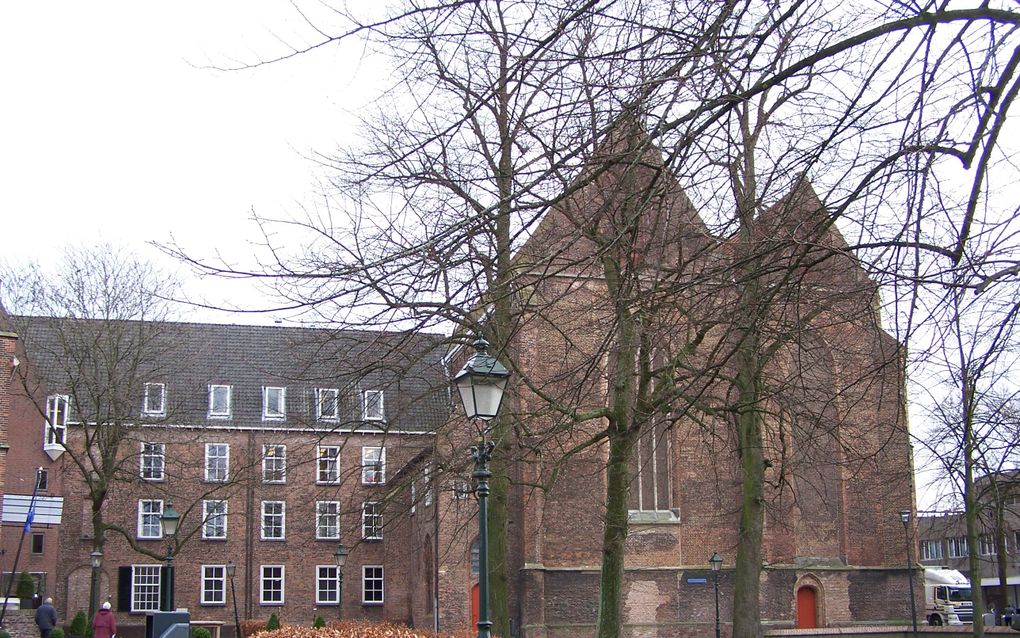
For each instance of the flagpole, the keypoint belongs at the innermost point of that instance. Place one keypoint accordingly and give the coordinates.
(17, 556)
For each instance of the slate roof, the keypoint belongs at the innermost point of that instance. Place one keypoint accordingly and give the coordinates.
(104, 364)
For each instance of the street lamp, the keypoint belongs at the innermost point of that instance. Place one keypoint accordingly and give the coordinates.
(905, 518)
(231, 569)
(481, 383)
(716, 563)
(340, 556)
(95, 561)
(169, 520)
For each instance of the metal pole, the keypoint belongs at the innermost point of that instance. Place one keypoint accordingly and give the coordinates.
(910, 579)
(339, 593)
(168, 591)
(717, 630)
(233, 595)
(482, 453)
(94, 592)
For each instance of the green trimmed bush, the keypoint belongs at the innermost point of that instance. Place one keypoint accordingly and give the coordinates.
(79, 625)
(4, 634)
(57, 633)
(26, 585)
(200, 632)
(319, 623)
(274, 622)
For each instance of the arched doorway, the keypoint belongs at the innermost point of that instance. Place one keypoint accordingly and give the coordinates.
(807, 608)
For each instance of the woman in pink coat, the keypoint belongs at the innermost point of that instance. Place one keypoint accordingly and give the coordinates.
(104, 625)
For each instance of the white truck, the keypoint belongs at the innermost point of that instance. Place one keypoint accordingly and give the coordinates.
(947, 597)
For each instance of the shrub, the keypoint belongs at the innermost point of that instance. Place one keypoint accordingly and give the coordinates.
(4, 634)
(250, 627)
(26, 585)
(200, 632)
(57, 633)
(79, 626)
(319, 623)
(363, 629)
(274, 622)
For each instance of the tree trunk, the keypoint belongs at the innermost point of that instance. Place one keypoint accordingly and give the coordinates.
(614, 536)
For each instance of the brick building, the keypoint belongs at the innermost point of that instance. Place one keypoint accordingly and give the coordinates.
(276, 444)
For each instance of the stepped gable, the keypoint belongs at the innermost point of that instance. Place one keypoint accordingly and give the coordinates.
(624, 200)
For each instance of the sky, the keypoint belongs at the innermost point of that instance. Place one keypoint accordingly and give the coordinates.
(112, 131)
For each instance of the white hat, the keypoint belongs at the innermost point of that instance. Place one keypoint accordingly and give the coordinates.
(106, 605)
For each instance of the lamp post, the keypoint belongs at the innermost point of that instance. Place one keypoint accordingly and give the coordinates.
(169, 521)
(905, 518)
(340, 556)
(481, 383)
(231, 569)
(95, 561)
(716, 563)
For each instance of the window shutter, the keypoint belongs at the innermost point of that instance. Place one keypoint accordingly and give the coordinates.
(124, 588)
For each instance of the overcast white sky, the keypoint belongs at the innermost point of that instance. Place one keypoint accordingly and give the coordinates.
(109, 132)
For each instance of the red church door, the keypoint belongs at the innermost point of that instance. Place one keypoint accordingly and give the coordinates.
(474, 605)
(807, 608)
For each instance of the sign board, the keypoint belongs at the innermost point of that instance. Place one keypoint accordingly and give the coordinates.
(48, 509)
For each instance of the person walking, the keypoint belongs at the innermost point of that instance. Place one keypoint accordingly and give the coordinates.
(104, 625)
(46, 618)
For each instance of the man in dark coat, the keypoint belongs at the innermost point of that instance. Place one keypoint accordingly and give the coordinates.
(46, 618)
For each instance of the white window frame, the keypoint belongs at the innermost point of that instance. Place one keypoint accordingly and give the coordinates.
(373, 465)
(150, 588)
(143, 504)
(986, 545)
(210, 471)
(152, 461)
(371, 521)
(322, 465)
(931, 550)
(327, 575)
(323, 529)
(379, 414)
(426, 479)
(55, 427)
(159, 410)
(263, 579)
(958, 547)
(270, 414)
(209, 518)
(322, 397)
(210, 577)
(222, 413)
(277, 458)
(376, 576)
(281, 515)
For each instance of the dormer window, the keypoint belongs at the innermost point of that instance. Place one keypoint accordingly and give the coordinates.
(57, 406)
(274, 404)
(327, 407)
(372, 405)
(219, 401)
(155, 399)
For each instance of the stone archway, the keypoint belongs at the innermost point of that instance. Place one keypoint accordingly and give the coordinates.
(808, 603)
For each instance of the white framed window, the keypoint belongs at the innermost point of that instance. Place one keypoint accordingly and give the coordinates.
(219, 401)
(214, 520)
(958, 547)
(145, 587)
(57, 407)
(371, 521)
(149, 513)
(372, 405)
(931, 550)
(327, 520)
(426, 481)
(274, 404)
(152, 463)
(214, 585)
(651, 493)
(274, 520)
(327, 405)
(154, 403)
(217, 462)
(461, 488)
(274, 463)
(271, 585)
(326, 585)
(986, 545)
(373, 465)
(372, 585)
(328, 464)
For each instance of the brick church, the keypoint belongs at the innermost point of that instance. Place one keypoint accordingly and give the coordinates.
(277, 445)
